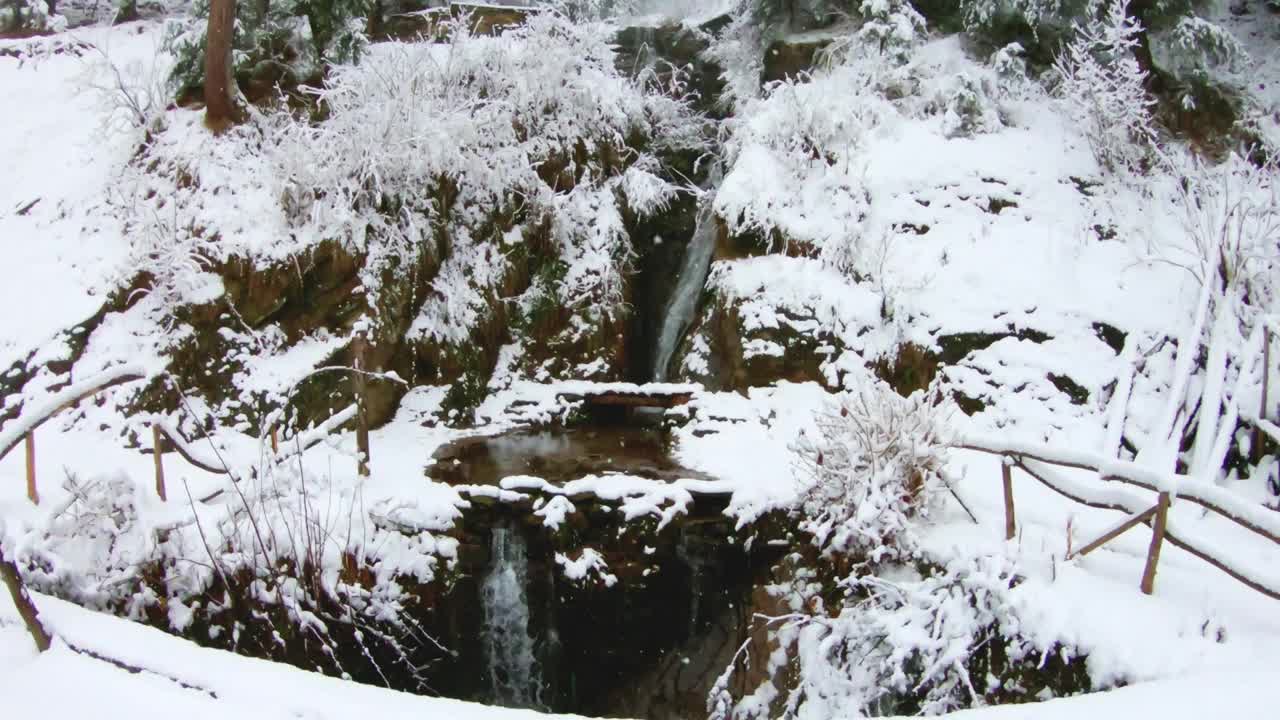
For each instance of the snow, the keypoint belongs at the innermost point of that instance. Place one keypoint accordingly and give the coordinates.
(58, 154)
(589, 563)
(1238, 694)
(1008, 234)
(179, 678)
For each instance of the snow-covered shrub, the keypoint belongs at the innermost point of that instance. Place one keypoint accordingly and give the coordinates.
(97, 528)
(291, 567)
(739, 49)
(30, 16)
(1196, 52)
(897, 643)
(987, 14)
(1104, 90)
(969, 108)
(534, 125)
(872, 471)
(892, 28)
(135, 94)
(1009, 64)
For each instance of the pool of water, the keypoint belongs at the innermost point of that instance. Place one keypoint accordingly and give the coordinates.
(558, 455)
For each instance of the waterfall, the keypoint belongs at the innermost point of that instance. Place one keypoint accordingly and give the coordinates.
(513, 669)
(689, 283)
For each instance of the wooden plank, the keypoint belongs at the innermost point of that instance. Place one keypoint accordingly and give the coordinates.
(359, 348)
(1258, 438)
(32, 493)
(1157, 539)
(1115, 532)
(1010, 522)
(157, 449)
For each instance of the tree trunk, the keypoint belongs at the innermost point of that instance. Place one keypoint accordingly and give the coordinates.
(219, 101)
(22, 601)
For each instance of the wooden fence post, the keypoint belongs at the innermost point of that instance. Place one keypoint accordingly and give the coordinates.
(1258, 437)
(32, 492)
(156, 448)
(22, 601)
(275, 441)
(359, 349)
(1157, 539)
(1010, 523)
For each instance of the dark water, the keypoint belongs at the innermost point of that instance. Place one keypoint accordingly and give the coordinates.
(558, 455)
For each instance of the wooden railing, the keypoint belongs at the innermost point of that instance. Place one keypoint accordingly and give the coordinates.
(1038, 461)
(22, 429)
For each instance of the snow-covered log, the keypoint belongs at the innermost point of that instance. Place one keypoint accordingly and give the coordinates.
(190, 453)
(310, 438)
(33, 418)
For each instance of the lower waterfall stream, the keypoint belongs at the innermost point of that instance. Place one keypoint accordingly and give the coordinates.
(513, 668)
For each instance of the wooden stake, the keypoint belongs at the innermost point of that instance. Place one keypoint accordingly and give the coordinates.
(358, 349)
(1258, 437)
(32, 492)
(22, 601)
(275, 441)
(1010, 524)
(155, 445)
(1157, 539)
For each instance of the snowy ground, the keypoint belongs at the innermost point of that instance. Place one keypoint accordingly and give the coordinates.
(1201, 645)
(178, 678)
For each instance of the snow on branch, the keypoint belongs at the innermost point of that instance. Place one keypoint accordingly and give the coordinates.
(33, 418)
(189, 452)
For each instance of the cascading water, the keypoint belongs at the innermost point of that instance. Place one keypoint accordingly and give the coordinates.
(513, 668)
(689, 283)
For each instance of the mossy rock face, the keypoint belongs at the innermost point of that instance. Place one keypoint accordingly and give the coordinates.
(315, 290)
(912, 369)
(648, 644)
(790, 59)
(202, 363)
(674, 47)
(733, 358)
(744, 243)
(958, 346)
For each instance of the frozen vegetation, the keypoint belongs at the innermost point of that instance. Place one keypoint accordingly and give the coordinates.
(916, 302)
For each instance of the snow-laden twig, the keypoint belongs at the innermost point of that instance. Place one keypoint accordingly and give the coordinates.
(33, 417)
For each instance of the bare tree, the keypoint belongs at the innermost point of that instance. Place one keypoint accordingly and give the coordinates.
(219, 91)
